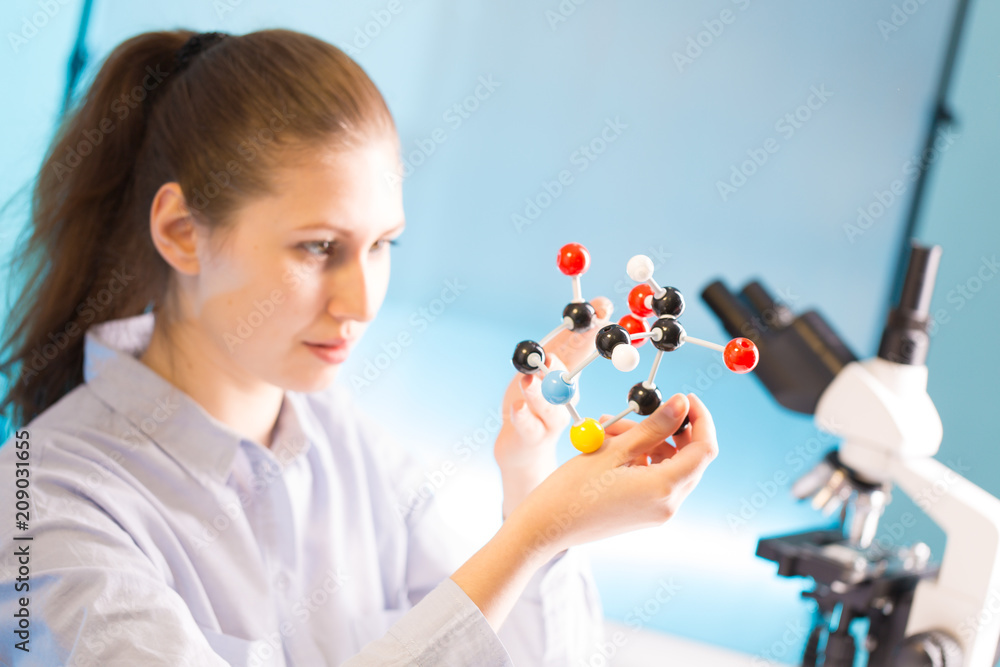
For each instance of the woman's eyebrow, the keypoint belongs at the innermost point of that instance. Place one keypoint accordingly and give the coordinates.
(326, 226)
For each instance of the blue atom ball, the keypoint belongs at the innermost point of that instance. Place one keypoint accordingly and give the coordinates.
(557, 391)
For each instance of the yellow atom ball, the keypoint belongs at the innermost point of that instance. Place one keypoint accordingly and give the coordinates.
(587, 436)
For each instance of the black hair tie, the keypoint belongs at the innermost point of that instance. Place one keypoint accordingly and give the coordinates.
(197, 44)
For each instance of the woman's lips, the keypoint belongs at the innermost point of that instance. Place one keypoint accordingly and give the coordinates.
(332, 352)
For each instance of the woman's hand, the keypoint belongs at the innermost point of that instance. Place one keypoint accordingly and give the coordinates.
(573, 348)
(616, 489)
(525, 448)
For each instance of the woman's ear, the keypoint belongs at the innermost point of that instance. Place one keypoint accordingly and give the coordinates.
(174, 229)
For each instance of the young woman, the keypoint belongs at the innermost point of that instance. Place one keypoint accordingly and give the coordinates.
(211, 236)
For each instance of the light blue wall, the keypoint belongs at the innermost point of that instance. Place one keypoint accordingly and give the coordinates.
(654, 190)
(33, 64)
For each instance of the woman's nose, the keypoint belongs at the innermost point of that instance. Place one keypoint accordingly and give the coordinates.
(351, 294)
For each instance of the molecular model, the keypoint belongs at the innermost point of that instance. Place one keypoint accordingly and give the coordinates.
(619, 343)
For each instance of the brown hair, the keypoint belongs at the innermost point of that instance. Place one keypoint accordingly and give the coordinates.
(211, 125)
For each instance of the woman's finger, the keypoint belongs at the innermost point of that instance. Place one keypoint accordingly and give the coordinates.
(683, 438)
(575, 345)
(553, 362)
(702, 425)
(705, 431)
(619, 427)
(527, 425)
(654, 429)
(691, 460)
(603, 307)
(531, 387)
(658, 454)
(554, 417)
(662, 452)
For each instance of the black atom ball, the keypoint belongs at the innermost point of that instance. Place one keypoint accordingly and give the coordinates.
(521, 353)
(667, 334)
(581, 314)
(647, 399)
(680, 429)
(671, 304)
(610, 337)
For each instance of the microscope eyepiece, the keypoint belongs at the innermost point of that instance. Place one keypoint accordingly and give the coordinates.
(906, 337)
(799, 355)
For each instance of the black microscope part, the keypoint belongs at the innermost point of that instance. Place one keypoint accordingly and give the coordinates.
(906, 337)
(799, 356)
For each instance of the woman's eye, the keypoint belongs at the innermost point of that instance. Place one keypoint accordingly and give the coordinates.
(319, 247)
(329, 248)
(383, 244)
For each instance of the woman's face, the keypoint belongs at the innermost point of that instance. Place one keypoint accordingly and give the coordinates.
(294, 283)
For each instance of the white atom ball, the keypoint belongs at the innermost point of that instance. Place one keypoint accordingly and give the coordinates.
(625, 357)
(640, 268)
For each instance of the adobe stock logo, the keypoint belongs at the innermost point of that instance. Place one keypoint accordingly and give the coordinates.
(38, 20)
(582, 158)
(882, 200)
(701, 41)
(122, 106)
(419, 321)
(364, 35)
(787, 126)
(455, 115)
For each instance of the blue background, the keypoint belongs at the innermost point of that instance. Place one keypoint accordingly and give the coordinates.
(557, 82)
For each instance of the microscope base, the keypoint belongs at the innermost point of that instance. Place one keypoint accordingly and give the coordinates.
(863, 583)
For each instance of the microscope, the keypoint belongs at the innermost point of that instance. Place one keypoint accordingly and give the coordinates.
(918, 613)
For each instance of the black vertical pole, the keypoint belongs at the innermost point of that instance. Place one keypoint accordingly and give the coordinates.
(78, 58)
(940, 117)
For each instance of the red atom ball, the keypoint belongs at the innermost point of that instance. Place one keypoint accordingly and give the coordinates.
(634, 325)
(741, 355)
(637, 300)
(573, 260)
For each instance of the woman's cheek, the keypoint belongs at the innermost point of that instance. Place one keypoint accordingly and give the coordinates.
(248, 319)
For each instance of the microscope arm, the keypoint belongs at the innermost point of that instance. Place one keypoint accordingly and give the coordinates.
(964, 599)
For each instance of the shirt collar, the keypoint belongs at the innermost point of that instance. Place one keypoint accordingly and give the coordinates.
(158, 411)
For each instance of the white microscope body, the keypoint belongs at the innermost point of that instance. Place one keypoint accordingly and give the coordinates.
(891, 431)
(918, 615)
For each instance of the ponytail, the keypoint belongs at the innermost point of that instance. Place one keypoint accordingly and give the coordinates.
(150, 118)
